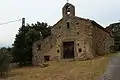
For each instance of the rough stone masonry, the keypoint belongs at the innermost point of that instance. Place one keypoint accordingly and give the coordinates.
(73, 37)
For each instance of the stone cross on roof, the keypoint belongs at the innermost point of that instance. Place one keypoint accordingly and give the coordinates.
(67, 1)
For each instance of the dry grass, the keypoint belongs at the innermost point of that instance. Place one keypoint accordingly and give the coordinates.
(63, 70)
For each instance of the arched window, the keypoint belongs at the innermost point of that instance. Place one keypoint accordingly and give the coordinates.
(68, 10)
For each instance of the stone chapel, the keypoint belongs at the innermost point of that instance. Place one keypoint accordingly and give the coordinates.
(73, 37)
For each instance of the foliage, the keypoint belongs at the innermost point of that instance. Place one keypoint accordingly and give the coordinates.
(27, 35)
(4, 61)
(115, 28)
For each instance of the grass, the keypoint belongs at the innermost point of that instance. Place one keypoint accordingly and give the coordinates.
(63, 70)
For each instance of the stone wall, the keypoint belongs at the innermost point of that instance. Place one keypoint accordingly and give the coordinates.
(102, 40)
(75, 33)
(88, 37)
(53, 45)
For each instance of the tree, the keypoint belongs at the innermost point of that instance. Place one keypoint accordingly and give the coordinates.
(4, 61)
(30, 37)
(27, 35)
(115, 29)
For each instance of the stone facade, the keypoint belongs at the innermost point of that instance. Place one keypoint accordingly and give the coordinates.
(89, 39)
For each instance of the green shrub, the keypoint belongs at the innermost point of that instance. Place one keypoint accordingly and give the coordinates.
(4, 62)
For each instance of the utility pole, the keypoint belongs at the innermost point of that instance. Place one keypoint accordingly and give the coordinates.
(23, 22)
(23, 25)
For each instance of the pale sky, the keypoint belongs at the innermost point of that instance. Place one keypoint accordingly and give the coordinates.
(103, 12)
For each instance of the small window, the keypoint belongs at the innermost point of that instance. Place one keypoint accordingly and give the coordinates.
(58, 51)
(77, 23)
(47, 58)
(59, 27)
(80, 50)
(77, 33)
(68, 25)
(116, 44)
(39, 47)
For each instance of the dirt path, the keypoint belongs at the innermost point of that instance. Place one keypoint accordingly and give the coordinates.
(113, 70)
